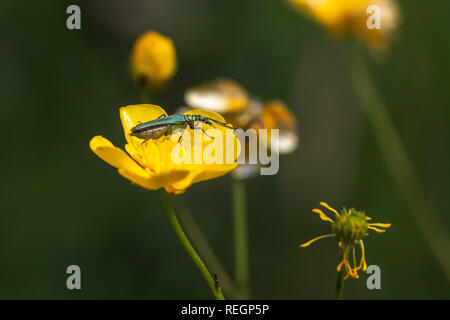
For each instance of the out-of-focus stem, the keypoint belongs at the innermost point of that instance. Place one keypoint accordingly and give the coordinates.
(240, 238)
(340, 280)
(146, 95)
(397, 161)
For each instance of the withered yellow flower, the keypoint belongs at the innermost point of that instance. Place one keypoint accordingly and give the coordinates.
(270, 115)
(230, 99)
(276, 115)
(351, 16)
(153, 60)
(220, 95)
(349, 228)
(150, 164)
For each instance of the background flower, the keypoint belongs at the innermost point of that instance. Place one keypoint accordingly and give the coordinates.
(153, 59)
(350, 16)
(232, 100)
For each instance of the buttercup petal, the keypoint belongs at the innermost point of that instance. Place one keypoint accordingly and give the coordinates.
(134, 114)
(154, 181)
(116, 157)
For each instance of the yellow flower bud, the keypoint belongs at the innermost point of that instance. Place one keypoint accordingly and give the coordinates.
(153, 60)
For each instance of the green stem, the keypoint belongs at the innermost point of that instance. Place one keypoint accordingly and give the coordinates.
(189, 249)
(146, 95)
(201, 243)
(340, 281)
(240, 238)
(397, 161)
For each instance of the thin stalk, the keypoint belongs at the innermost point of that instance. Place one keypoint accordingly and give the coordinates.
(201, 243)
(213, 284)
(398, 162)
(240, 238)
(146, 95)
(340, 280)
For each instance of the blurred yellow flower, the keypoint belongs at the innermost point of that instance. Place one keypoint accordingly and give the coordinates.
(351, 16)
(276, 115)
(150, 164)
(349, 228)
(230, 99)
(220, 95)
(153, 60)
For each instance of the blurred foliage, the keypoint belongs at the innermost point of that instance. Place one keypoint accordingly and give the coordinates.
(61, 205)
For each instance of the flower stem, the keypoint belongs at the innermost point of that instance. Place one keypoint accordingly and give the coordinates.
(397, 161)
(146, 95)
(240, 238)
(201, 243)
(340, 281)
(217, 291)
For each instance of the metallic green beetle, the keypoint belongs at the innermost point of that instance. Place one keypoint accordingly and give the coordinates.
(166, 125)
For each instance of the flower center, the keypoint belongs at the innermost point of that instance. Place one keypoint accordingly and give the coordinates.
(350, 226)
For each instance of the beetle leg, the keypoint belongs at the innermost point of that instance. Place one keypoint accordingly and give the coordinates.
(182, 133)
(203, 131)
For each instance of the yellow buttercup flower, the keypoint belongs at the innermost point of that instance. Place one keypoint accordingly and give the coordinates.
(351, 16)
(349, 228)
(153, 59)
(151, 165)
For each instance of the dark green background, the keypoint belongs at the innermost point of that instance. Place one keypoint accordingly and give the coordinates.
(62, 205)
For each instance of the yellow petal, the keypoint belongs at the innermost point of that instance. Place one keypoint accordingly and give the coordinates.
(315, 239)
(115, 156)
(363, 263)
(154, 181)
(324, 204)
(382, 225)
(322, 215)
(376, 229)
(133, 115)
(206, 172)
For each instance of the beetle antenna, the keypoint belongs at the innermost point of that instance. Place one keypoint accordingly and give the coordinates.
(222, 123)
